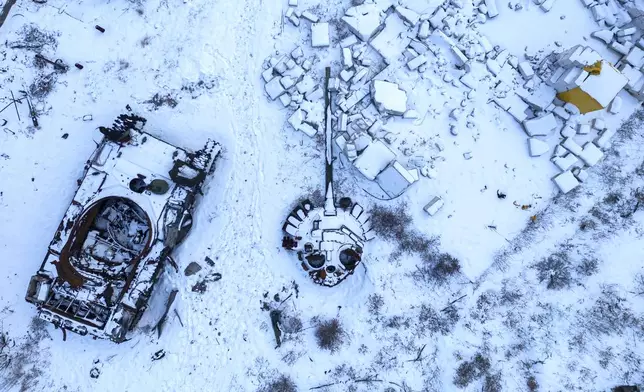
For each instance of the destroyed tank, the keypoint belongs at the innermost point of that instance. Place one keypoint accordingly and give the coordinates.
(328, 240)
(133, 206)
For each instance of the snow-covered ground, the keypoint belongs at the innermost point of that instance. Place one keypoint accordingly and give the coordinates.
(496, 326)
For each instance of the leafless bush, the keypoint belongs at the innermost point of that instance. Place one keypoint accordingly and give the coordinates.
(532, 384)
(390, 223)
(42, 86)
(397, 322)
(555, 270)
(32, 38)
(329, 335)
(282, 384)
(610, 314)
(605, 357)
(430, 320)
(588, 267)
(22, 365)
(470, 371)
(376, 301)
(492, 383)
(639, 284)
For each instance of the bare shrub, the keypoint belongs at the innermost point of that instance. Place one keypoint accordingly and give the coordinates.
(470, 371)
(397, 322)
(329, 335)
(492, 383)
(430, 320)
(532, 384)
(605, 357)
(390, 223)
(282, 384)
(375, 304)
(588, 267)
(555, 270)
(639, 284)
(42, 86)
(610, 314)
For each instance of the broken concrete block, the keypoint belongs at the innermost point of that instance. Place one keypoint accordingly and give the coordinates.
(267, 75)
(346, 75)
(411, 114)
(615, 106)
(320, 35)
(294, 20)
(599, 124)
(307, 129)
(635, 57)
(287, 82)
(526, 70)
(423, 30)
(561, 112)
(417, 62)
(546, 6)
(566, 181)
(285, 99)
(604, 138)
(603, 35)
(580, 174)
(310, 17)
(493, 67)
(584, 129)
(307, 64)
(343, 121)
(348, 41)
(314, 95)
(540, 126)
(434, 206)
(409, 16)
(492, 10)
(363, 20)
(571, 146)
(388, 97)
(591, 154)
(292, 3)
(565, 162)
(274, 88)
(347, 59)
(537, 147)
(297, 53)
(297, 118)
(469, 80)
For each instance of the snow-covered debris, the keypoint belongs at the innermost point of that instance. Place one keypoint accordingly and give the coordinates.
(434, 205)
(492, 10)
(374, 159)
(570, 145)
(591, 154)
(526, 69)
(408, 15)
(347, 58)
(274, 88)
(363, 20)
(540, 126)
(566, 181)
(565, 162)
(395, 179)
(388, 97)
(537, 147)
(615, 106)
(320, 35)
(392, 40)
(604, 35)
(310, 17)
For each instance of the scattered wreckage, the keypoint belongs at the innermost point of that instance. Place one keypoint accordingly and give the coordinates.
(132, 208)
(329, 240)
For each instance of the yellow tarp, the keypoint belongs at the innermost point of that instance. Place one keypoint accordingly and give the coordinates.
(578, 97)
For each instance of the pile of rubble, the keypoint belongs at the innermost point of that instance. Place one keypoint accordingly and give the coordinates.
(561, 96)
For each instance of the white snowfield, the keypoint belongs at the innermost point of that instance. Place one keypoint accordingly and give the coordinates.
(550, 293)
